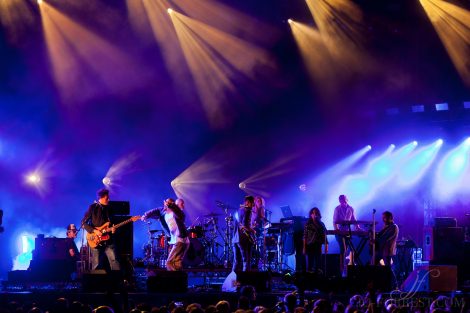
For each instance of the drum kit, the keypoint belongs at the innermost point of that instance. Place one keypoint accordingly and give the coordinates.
(203, 248)
(211, 245)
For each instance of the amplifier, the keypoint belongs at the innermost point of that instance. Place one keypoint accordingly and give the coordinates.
(50, 248)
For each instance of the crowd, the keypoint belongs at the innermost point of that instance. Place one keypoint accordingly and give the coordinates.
(247, 303)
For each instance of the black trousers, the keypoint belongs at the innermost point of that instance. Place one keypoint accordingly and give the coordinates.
(242, 256)
(313, 256)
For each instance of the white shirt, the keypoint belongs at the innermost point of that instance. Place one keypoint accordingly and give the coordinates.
(174, 231)
(343, 214)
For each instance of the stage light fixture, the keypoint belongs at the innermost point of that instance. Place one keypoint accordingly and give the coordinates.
(303, 187)
(369, 147)
(415, 143)
(242, 185)
(417, 108)
(442, 106)
(107, 181)
(39, 2)
(169, 10)
(290, 21)
(33, 178)
(439, 142)
(392, 146)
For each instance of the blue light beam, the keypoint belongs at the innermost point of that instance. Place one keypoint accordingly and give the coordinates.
(451, 172)
(416, 166)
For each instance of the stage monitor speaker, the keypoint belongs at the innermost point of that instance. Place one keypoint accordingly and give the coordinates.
(168, 281)
(100, 281)
(363, 278)
(124, 238)
(440, 278)
(119, 207)
(260, 280)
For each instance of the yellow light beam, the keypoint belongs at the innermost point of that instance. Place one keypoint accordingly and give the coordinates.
(84, 64)
(215, 60)
(340, 25)
(256, 192)
(228, 20)
(452, 24)
(16, 17)
(277, 168)
(317, 58)
(341, 20)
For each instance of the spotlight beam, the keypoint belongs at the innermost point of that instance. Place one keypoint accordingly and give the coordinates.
(452, 24)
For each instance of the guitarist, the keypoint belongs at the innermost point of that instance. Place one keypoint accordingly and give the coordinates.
(386, 239)
(244, 236)
(97, 215)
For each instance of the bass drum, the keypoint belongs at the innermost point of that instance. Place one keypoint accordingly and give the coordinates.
(195, 254)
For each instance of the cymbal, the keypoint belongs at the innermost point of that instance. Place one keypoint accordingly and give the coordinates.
(212, 215)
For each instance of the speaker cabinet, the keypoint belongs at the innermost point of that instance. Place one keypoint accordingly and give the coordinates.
(443, 245)
(440, 278)
(260, 280)
(168, 281)
(50, 248)
(124, 237)
(119, 207)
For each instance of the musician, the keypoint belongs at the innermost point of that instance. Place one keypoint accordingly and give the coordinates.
(97, 215)
(258, 216)
(71, 246)
(258, 221)
(72, 251)
(314, 238)
(172, 218)
(386, 239)
(243, 237)
(343, 213)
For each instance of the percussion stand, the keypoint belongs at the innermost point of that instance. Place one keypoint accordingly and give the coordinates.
(211, 253)
(227, 257)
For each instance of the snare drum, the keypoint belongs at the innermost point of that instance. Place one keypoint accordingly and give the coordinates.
(196, 232)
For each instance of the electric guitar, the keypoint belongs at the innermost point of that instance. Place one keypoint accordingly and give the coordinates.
(96, 240)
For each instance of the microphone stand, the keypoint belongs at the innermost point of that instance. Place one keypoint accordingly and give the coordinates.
(372, 261)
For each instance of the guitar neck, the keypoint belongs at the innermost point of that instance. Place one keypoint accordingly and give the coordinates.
(120, 224)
